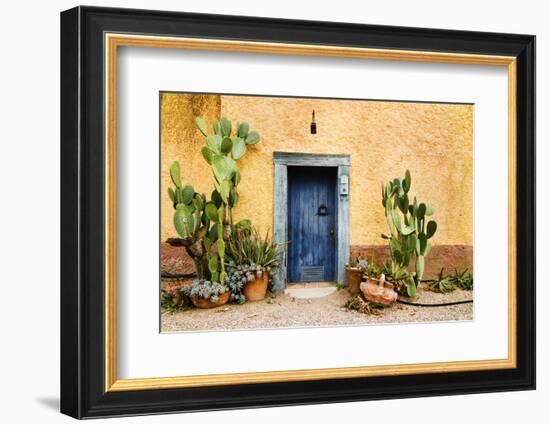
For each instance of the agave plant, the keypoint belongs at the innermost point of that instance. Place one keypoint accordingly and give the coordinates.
(410, 229)
(249, 247)
(461, 279)
(250, 256)
(442, 283)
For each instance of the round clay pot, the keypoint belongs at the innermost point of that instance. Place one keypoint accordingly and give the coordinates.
(206, 303)
(354, 280)
(255, 291)
(376, 291)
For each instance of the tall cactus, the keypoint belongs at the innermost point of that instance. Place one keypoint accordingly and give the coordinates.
(222, 151)
(409, 237)
(204, 226)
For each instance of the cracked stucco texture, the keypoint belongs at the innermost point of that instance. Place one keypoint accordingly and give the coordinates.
(383, 139)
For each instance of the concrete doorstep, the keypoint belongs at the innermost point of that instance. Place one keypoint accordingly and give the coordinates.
(313, 290)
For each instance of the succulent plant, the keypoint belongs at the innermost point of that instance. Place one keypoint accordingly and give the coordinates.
(410, 229)
(235, 283)
(207, 289)
(250, 255)
(399, 275)
(442, 283)
(205, 226)
(461, 279)
(358, 263)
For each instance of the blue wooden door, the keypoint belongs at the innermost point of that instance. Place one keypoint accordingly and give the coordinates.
(311, 224)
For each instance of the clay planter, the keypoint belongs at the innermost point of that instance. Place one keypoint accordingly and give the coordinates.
(377, 291)
(256, 291)
(173, 290)
(354, 277)
(206, 303)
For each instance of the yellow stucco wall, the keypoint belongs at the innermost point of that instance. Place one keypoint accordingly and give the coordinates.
(180, 140)
(434, 141)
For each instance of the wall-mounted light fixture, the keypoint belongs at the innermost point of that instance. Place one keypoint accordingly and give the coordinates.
(313, 123)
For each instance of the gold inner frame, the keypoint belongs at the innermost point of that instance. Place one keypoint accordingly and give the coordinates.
(113, 41)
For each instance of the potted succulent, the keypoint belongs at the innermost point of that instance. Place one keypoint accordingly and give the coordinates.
(378, 292)
(172, 297)
(206, 294)
(354, 273)
(252, 261)
(396, 276)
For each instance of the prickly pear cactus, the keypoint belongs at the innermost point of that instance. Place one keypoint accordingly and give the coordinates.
(205, 226)
(410, 228)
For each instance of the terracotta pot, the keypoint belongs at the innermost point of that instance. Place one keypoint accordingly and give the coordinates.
(355, 276)
(172, 290)
(255, 291)
(206, 303)
(375, 290)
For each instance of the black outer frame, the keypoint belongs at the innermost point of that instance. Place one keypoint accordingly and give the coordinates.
(82, 207)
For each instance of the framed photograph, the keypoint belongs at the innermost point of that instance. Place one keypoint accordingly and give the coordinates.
(261, 212)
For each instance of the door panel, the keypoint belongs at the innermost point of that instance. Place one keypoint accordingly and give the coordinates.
(311, 224)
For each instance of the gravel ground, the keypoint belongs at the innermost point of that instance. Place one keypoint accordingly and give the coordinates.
(284, 311)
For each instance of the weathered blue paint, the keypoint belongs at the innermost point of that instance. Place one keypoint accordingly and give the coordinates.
(283, 160)
(312, 216)
(343, 228)
(279, 223)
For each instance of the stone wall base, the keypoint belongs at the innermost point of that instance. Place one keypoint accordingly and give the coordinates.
(447, 257)
(175, 260)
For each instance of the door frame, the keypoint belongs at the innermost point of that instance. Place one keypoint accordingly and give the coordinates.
(282, 160)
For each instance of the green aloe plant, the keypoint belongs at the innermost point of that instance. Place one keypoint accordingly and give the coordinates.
(409, 225)
(460, 279)
(442, 283)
